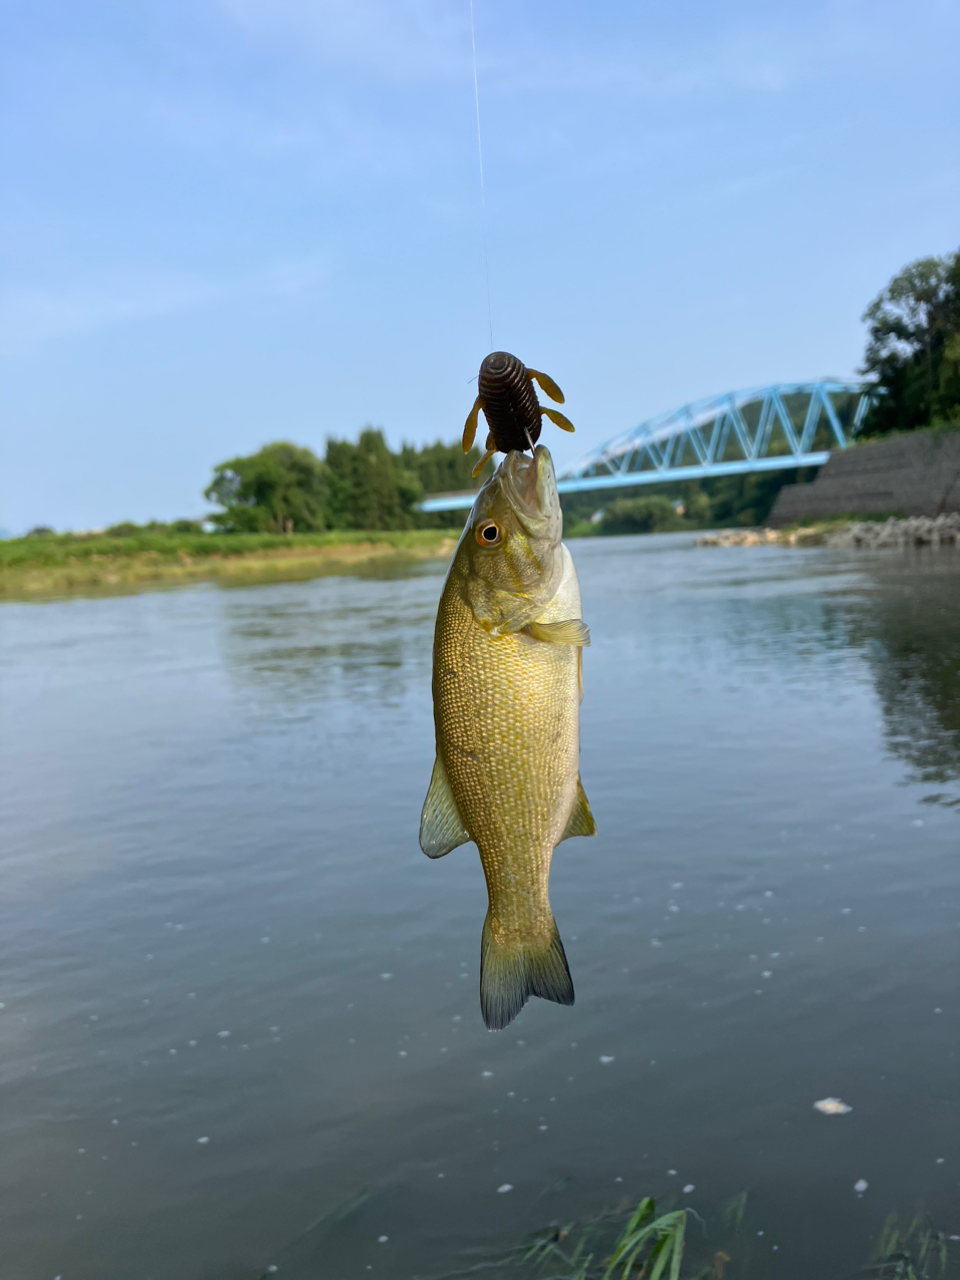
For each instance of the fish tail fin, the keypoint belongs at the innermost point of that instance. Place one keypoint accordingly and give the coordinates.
(510, 973)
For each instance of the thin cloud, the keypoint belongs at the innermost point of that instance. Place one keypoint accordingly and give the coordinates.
(414, 40)
(32, 317)
(401, 40)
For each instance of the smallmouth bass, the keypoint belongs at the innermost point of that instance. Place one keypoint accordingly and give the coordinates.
(507, 662)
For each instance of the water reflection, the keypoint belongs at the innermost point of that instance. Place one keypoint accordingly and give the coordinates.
(216, 924)
(293, 645)
(909, 630)
(900, 611)
(297, 644)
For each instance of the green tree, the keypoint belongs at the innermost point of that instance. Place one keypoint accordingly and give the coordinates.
(443, 468)
(368, 486)
(911, 327)
(285, 488)
(950, 372)
(697, 507)
(281, 489)
(640, 515)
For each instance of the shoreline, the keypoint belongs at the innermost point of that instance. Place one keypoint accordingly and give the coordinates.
(894, 532)
(105, 571)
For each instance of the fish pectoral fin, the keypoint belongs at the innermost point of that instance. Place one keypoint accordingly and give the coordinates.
(581, 821)
(441, 827)
(571, 631)
(547, 384)
(557, 417)
(470, 426)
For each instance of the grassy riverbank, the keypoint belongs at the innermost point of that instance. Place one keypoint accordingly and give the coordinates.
(685, 1244)
(63, 564)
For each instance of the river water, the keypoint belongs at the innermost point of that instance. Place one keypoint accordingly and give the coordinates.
(240, 1025)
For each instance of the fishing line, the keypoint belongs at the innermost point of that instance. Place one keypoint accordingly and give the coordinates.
(483, 203)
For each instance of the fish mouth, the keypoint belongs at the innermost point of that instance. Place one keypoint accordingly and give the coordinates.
(530, 486)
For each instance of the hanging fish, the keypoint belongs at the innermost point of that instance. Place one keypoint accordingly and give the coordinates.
(507, 684)
(508, 398)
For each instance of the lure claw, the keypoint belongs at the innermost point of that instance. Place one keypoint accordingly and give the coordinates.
(547, 384)
(483, 462)
(470, 426)
(558, 418)
(508, 398)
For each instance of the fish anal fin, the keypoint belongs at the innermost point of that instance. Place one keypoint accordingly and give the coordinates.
(570, 631)
(547, 384)
(511, 972)
(470, 426)
(441, 827)
(581, 821)
(558, 418)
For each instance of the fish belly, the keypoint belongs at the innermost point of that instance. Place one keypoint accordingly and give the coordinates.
(507, 712)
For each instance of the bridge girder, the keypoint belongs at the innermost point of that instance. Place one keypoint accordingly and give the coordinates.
(740, 431)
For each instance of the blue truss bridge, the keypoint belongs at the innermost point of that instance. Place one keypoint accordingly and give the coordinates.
(789, 424)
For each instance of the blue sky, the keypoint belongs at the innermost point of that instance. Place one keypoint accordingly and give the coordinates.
(233, 221)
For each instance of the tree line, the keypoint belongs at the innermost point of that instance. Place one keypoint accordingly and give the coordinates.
(287, 488)
(912, 356)
(913, 359)
(913, 348)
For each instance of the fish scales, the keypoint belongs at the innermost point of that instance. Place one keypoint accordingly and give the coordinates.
(506, 690)
(502, 702)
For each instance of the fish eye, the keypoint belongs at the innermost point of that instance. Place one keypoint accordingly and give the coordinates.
(489, 533)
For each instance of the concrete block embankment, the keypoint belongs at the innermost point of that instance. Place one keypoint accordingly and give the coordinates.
(913, 475)
(915, 531)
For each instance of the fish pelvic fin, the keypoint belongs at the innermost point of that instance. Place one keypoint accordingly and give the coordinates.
(441, 827)
(510, 973)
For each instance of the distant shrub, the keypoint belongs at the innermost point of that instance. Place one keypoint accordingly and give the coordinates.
(40, 531)
(128, 529)
(640, 515)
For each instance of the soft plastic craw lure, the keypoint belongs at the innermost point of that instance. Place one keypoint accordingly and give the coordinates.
(508, 398)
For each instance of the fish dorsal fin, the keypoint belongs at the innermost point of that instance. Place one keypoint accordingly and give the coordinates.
(581, 821)
(570, 631)
(441, 827)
